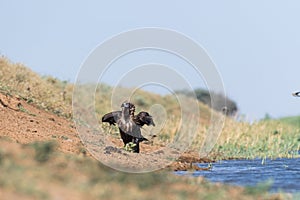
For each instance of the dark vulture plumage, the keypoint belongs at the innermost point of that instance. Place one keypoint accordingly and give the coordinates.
(129, 124)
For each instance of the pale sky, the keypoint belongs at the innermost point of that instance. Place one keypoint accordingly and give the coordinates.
(254, 44)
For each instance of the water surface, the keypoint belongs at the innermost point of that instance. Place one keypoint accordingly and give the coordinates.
(284, 173)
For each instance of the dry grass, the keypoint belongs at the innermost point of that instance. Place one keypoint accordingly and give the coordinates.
(72, 177)
(79, 177)
(238, 139)
(48, 93)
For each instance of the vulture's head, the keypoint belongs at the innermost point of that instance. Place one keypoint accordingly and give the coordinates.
(128, 108)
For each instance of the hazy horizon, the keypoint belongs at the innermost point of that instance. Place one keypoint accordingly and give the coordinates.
(254, 44)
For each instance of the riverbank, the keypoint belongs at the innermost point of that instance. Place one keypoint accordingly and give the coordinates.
(38, 132)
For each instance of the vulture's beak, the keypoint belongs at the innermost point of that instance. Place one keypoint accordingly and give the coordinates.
(151, 122)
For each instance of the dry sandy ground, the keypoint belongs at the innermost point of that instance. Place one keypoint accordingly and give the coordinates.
(23, 123)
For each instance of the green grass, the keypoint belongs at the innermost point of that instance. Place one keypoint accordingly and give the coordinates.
(43, 150)
(83, 177)
(268, 138)
(259, 188)
(293, 120)
(264, 139)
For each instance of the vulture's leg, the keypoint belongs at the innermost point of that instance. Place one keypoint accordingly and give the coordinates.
(136, 148)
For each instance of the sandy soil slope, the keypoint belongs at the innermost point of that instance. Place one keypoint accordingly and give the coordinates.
(23, 123)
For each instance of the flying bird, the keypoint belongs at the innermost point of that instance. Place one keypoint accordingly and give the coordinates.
(296, 94)
(129, 124)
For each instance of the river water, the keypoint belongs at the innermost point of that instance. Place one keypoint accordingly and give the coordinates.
(284, 174)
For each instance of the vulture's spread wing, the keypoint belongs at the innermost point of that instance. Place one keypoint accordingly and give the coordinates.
(112, 117)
